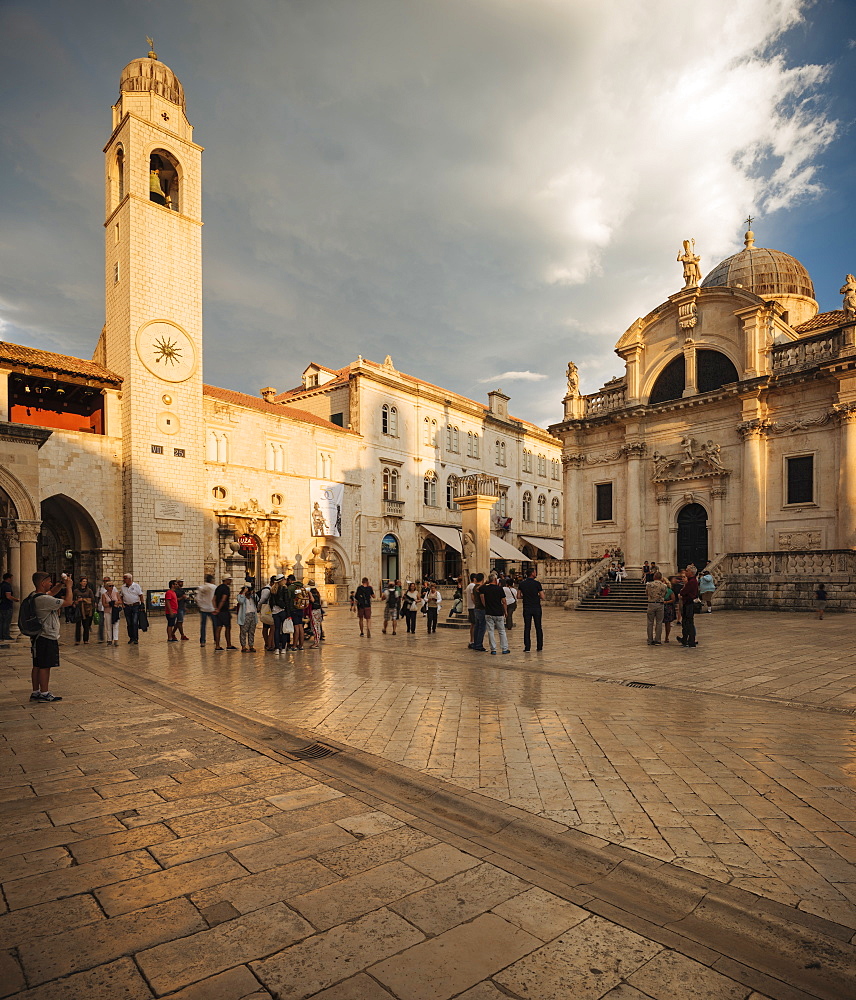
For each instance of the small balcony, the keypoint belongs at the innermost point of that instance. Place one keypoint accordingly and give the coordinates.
(393, 508)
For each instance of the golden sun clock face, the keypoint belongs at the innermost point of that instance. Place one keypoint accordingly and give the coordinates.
(166, 351)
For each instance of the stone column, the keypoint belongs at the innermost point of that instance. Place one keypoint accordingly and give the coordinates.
(691, 376)
(665, 555)
(28, 533)
(20, 591)
(476, 503)
(634, 504)
(846, 413)
(575, 514)
(752, 487)
(717, 534)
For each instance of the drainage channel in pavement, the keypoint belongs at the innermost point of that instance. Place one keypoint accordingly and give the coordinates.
(782, 952)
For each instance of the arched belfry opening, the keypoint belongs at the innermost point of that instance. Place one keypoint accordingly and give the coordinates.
(164, 180)
(670, 382)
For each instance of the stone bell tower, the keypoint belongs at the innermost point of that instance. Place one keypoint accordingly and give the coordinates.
(153, 331)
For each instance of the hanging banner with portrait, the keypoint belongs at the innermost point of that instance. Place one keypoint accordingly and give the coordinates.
(325, 508)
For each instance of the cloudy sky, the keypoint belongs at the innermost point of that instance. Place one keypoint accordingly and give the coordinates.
(484, 189)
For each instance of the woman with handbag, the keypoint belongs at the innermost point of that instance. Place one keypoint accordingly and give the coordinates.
(84, 604)
(431, 606)
(111, 611)
(409, 603)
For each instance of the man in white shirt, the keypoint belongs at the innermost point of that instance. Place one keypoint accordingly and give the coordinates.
(132, 603)
(45, 645)
(205, 603)
(471, 605)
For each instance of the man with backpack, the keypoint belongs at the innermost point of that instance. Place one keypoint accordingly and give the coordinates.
(298, 604)
(39, 619)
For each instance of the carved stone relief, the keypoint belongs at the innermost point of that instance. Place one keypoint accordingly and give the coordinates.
(699, 461)
(800, 540)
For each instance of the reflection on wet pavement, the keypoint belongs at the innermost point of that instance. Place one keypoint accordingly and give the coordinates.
(720, 779)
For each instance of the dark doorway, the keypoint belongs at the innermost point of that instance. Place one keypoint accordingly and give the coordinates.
(692, 536)
(429, 556)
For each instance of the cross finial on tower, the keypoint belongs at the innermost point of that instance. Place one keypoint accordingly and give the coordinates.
(152, 53)
(749, 221)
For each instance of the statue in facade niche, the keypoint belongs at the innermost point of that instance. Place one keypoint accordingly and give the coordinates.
(661, 464)
(573, 379)
(688, 444)
(468, 544)
(690, 259)
(848, 290)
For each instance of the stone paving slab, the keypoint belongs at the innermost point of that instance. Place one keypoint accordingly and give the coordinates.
(378, 903)
(709, 770)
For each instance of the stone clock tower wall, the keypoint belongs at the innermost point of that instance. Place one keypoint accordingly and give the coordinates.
(153, 329)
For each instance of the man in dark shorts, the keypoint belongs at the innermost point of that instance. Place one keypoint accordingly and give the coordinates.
(223, 614)
(170, 607)
(45, 645)
(363, 596)
(532, 593)
(181, 594)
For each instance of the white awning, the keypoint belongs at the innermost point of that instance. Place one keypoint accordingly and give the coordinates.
(552, 546)
(450, 536)
(500, 549)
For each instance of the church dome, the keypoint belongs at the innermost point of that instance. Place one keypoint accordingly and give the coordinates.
(767, 273)
(149, 74)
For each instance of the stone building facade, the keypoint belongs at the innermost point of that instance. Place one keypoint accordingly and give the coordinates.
(730, 434)
(130, 462)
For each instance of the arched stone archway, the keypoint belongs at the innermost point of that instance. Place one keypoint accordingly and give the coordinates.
(69, 541)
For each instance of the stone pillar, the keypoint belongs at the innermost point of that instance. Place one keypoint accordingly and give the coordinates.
(575, 514)
(477, 500)
(634, 505)
(752, 487)
(20, 591)
(691, 376)
(847, 476)
(28, 533)
(665, 554)
(717, 534)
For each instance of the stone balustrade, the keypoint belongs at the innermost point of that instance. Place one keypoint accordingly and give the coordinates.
(809, 351)
(563, 569)
(605, 401)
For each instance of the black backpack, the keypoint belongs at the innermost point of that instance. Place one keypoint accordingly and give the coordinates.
(28, 618)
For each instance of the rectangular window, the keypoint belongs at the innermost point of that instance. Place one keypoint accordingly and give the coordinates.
(116, 272)
(157, 449)
(338, 419)
(801, 479)
(603, 502)
(178, 452)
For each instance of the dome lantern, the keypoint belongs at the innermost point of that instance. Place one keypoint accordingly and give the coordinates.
(150, 74)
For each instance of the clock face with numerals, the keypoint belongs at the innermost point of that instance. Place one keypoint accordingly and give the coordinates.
(166, 351)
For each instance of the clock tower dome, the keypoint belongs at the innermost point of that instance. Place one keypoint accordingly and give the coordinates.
(153, 330)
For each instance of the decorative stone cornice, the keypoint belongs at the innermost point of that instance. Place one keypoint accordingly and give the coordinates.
(753, 429)
(664, 498)
(28, 531)
(719, 493)
(634, 449)
(844, 413)
(573, 461)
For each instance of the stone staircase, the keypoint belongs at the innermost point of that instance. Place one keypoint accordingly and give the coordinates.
(629, 595)
(453, 621)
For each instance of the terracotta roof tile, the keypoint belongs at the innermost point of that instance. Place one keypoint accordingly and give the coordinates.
(31, 357)
(236, 398)
(823, 321)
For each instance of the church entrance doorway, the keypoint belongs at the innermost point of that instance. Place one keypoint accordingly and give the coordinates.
(692, 536)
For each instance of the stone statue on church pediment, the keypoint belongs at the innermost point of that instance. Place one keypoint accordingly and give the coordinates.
(573, 379)
(690, 259)
(848, 290)
(698, 461)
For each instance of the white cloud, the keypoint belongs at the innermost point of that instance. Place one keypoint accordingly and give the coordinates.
(457, 183)
(513, 377)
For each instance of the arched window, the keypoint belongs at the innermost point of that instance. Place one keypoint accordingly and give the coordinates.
(502, 461)
(714, 370)
(389, 420)
(542, 466)
(554, 469)
(502, 502)
(390, 484)
(448, 437)
(426, 431)
(119, 189)
(429, 489)
(475, 446)
(456, 440)
(670, 382)
(164, 180)
(542, 509)
(527, 506)
(451, 483)
(554, 512)
(217, 446)
(497, 454)
(469, 444)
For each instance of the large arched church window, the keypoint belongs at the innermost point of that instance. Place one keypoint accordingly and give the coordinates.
(714, 370)
(164, 180)
(670, 382)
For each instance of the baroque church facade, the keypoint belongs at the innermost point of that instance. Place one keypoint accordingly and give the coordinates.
(130, 462)
(730, 437)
